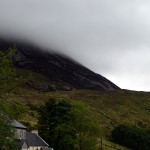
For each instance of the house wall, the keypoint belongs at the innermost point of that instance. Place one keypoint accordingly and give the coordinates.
(36, 147)
(20, 134)
(24, 146)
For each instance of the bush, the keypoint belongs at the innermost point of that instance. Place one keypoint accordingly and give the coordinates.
(131, 137)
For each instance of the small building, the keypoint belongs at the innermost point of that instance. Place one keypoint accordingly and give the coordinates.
(20, 132)
(29, 140)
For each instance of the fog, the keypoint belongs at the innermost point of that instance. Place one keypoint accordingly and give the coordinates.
(111, 37)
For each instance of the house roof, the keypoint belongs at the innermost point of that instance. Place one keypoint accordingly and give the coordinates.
(33, 139)
(17, 124)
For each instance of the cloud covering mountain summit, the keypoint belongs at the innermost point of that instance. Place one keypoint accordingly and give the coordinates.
(111, 37)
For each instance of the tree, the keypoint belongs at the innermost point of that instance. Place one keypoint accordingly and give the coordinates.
(131, 137)
(7, 141)
(10, 79)
(7, 71)
(7, 74)
(86, 127)
(55, 124)
(68, 126)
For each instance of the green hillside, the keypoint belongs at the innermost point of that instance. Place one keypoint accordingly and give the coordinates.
(112, 107)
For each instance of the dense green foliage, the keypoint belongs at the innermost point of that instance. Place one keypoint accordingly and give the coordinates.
(55, 124)
(86, 127)
(7, 141)
(131, 137)
(7, 74)
(67, 126)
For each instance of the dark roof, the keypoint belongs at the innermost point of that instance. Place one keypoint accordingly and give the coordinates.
(17, 124)
(33, 139)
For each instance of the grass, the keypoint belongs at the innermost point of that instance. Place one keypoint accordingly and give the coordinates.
(111, 107)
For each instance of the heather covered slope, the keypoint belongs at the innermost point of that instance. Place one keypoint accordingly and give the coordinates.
(56, 67)
(111, 107)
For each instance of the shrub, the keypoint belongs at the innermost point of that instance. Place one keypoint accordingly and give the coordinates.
(131, 137)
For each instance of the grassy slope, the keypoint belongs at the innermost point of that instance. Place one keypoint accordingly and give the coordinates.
(111, 108)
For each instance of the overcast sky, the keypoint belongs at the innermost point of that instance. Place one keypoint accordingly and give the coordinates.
(111, 37)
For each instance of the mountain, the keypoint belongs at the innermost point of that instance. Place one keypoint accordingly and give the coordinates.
(56, 67)
(110, 106)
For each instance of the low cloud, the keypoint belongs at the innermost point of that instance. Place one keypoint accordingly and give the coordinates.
(111, 37)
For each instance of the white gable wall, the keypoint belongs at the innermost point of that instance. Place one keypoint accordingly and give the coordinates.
(36, 147)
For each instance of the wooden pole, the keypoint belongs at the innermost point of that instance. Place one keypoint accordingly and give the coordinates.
(101, 143)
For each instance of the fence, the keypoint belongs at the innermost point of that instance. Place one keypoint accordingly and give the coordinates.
(107, 145)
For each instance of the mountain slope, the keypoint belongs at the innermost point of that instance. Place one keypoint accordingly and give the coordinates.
(57, 67)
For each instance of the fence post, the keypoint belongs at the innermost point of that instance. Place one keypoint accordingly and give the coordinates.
(101, 144)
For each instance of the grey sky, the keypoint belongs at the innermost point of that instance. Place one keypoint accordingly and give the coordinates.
(111, 37)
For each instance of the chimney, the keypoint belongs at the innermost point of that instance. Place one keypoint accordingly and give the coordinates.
(35, 131)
